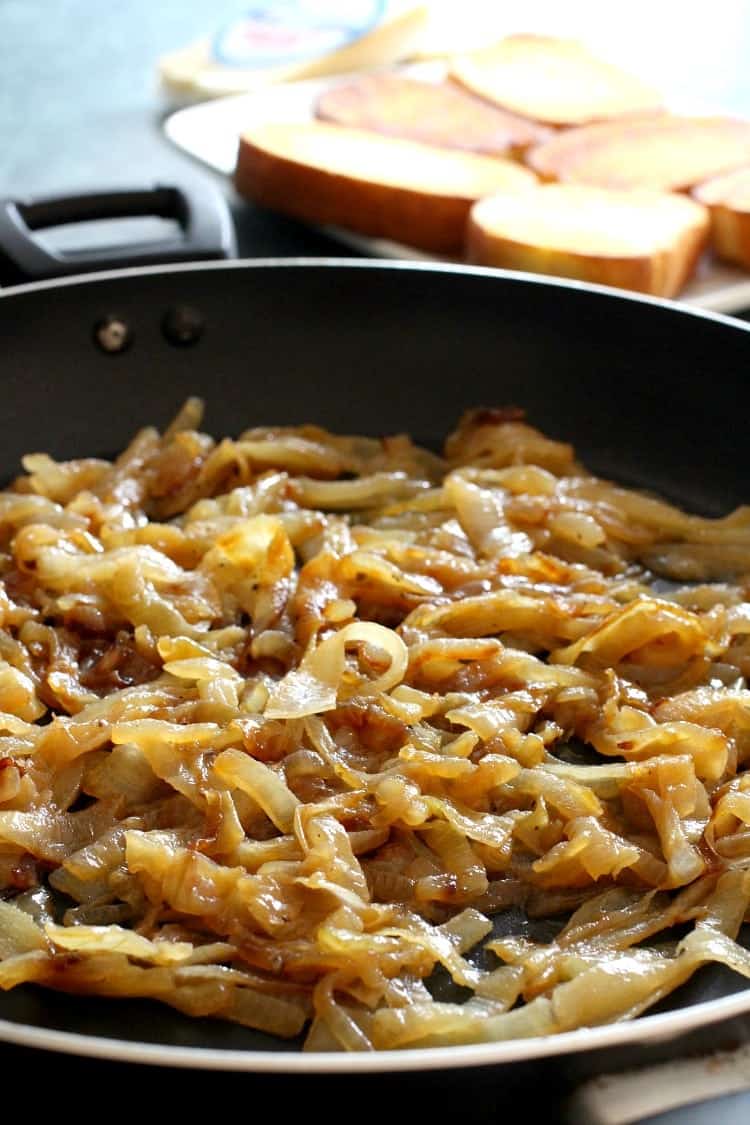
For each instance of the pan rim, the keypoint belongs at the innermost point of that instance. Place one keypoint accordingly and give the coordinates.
(374, 264)
(645, 1030)
(648, 1029)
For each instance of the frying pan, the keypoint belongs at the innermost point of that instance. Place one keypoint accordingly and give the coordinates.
(651, 395)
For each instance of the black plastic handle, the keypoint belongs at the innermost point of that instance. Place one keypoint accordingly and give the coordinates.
(206, 230)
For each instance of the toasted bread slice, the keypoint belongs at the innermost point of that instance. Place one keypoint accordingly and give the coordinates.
(430, 112)
(380, 186)
(648, 241)
(663, 153)
(556, 81)
(728, 199)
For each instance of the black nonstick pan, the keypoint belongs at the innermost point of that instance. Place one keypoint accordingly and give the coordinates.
(650, 394)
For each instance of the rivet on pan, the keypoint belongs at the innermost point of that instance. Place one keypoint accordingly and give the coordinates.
(183, 325)
(112, 334)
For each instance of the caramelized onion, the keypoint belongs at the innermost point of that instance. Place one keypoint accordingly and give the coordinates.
(284, 719)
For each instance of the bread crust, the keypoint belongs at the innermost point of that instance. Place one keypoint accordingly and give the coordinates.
(728, 200)
(534, 234)
(334, 188)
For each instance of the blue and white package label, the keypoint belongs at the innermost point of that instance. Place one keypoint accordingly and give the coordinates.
(286, 31)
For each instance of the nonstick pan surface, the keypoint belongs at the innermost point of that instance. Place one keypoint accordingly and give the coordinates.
(650, 394)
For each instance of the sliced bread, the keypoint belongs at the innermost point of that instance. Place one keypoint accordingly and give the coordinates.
(556, 81)
(663, 153)
(647, 241)
(728, 199)
(436, 113)
(384, 187)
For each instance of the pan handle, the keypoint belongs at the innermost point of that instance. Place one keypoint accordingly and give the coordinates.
(696, 1090)
(202, 213)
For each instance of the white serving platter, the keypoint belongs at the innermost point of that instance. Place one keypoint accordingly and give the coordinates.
(210, 132)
